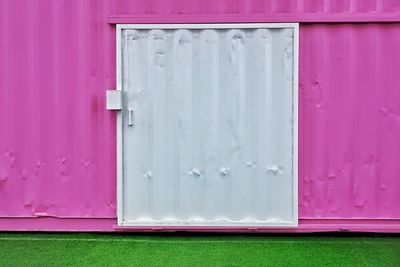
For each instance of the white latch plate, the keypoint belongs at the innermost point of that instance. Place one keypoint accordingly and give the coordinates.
(114, 100)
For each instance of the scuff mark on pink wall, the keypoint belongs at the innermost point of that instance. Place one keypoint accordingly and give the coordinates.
(57, 141)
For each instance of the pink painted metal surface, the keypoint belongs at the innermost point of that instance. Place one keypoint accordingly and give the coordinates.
(57, 141)
(259, 18)
(109, 225)
(349, 121)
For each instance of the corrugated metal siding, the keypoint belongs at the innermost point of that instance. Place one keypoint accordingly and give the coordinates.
(256, 11)
(212, 137)
(57, 142)
(255, 6)
(349, 121)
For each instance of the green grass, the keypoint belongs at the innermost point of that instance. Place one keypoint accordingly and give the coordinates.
(72, 249)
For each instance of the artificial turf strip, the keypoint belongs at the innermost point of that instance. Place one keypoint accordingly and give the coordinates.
(72, 249)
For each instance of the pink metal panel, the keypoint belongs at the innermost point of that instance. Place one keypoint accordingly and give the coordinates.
(267, 7)
(109, 225)
(349, 121)
(258, 18)
(57, 141)
(198, 11)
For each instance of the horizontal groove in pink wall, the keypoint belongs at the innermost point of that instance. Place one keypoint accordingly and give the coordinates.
(247, 18)
(109, 225)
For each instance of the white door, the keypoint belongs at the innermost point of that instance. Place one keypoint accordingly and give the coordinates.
(207, 135)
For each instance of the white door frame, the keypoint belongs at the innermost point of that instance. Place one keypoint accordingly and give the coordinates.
(294, 26)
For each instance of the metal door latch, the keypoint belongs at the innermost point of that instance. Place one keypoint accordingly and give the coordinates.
(114, 100)
(130, 117)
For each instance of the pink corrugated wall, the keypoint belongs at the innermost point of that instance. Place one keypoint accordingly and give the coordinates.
(349, 121)
(57, 145)
(57, 141)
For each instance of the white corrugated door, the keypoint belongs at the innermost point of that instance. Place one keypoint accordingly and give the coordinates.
(208, 131)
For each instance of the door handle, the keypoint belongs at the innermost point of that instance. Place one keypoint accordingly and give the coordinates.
(130, 117)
